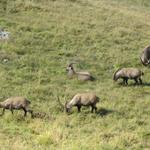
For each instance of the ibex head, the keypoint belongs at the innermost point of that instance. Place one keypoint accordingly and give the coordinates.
(67, 107)
(64, 107)
(70, 67)
(115, 77)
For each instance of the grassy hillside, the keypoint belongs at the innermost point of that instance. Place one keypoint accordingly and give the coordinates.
(101, 35)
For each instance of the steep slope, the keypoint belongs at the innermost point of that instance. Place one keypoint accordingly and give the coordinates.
(101, 36)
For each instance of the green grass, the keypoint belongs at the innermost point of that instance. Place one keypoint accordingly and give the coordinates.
(101, 35)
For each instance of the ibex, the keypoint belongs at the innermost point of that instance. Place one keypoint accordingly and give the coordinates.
(145, 56)
(16, 103)
(83, 76)
(83, 99)
(128, 73)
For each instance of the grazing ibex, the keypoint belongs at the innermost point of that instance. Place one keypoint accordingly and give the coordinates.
(16, 103)
(83, 76)
(128, 73)
(145, 56)
(83, 99)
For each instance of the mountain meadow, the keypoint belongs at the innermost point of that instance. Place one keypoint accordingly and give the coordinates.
(100, 36)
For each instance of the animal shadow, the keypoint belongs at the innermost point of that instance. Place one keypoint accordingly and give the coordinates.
(41, 115)
(103, 112)
(133, 84)
(138, 85)
(145, 84)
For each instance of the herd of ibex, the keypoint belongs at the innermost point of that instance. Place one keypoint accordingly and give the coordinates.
(82, 99)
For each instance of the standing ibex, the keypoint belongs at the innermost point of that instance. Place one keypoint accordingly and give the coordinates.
(83, 99)
(16, 103)
(84, 76)
(128, 73)
(145, 56)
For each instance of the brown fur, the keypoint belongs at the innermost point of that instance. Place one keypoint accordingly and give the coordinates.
(83, 76)
(129, 73)
(16, 103)
(145, 56)
(83, 99)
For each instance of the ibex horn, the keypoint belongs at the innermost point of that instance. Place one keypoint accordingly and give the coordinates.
(62, 106)
(70, 65)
